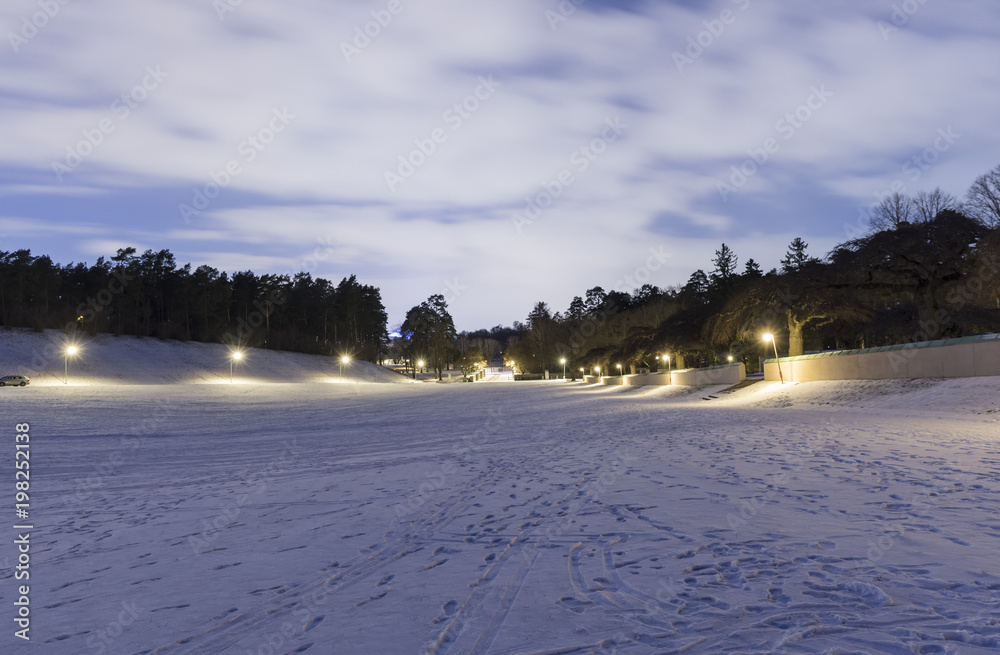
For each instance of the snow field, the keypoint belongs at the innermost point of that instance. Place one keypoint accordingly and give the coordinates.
(513, 518)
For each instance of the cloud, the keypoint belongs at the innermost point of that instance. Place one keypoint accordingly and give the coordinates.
(477, 110)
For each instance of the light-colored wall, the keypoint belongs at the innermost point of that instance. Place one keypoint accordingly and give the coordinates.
(987, 358)
(729, 374)
(648, 379)
(946, 361)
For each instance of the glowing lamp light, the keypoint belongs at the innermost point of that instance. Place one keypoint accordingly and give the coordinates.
(70, 352)
(234, 357)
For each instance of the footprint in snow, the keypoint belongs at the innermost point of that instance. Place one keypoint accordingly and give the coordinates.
(574, 604)
(313, 622)
(433, 564)
(372, 598)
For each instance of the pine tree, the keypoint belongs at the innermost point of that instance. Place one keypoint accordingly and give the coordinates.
(725, 267)
(796, 257)
(752, 269)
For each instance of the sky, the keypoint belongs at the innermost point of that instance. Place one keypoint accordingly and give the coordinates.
(498, 152)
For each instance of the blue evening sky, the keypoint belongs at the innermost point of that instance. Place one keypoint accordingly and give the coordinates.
(498, 151)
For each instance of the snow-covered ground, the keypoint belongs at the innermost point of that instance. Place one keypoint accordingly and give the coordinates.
(834, 518)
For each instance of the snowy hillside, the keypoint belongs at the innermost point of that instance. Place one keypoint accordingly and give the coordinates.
(106, 359)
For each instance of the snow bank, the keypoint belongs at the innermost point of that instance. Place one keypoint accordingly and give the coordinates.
(977, 396)
(107, 359)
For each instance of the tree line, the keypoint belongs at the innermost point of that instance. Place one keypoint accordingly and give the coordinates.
(149, 295)
(925, 267)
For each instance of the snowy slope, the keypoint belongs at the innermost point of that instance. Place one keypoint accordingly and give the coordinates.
(844, 518)
(106, 359)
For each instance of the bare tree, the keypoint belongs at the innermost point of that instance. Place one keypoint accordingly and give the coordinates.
(982, 201)
(927, 205)
(803, 299)
(893, 211)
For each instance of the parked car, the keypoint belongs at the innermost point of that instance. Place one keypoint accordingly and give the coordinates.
(14, 381)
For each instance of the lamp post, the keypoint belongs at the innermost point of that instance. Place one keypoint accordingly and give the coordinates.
(598, 369)
(770, 337)
(420, 365)
(730, 358)
(235, 357)
(581, 372)
(343, 360)
(70, 351)
(619, 366)
(563, 362)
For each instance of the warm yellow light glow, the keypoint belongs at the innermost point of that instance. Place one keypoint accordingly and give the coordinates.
(72, 350)
(420, 363)
(730, 358)
(237, 355)
(562, 361)
(768, 337)
(345, 359)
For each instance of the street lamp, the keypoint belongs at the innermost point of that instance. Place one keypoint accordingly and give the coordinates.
(236, 356)
(770, 337)
(70, 352)
(730, 358)
(598, 369)
(343, 360)
(563, 362)
(619, 368)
